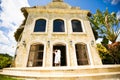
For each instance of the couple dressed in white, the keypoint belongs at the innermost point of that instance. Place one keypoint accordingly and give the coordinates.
(57, 58)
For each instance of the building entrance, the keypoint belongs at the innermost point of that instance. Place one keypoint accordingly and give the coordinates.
(63, 59)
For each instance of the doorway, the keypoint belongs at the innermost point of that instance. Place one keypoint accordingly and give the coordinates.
(63, 60)
(36, 55)
(81, 54)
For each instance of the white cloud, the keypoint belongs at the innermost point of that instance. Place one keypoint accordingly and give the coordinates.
(114, 2)
(118, 15)
(11, 12)
(11, 17)
(118, 38)
(3, 38)
(7, 49)
(99, 40)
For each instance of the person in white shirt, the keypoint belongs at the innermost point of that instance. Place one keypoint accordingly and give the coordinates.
(57, 57)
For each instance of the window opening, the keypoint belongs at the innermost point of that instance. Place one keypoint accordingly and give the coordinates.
(40, 25)
(76, 26)
(58, 26)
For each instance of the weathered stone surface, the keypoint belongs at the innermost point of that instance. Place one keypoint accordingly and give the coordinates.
(59, 10)
(103, 72)
(50, 12)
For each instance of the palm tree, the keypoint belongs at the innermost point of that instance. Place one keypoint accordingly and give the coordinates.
(108, 27)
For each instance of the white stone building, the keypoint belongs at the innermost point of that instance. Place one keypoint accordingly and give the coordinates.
(58, 26)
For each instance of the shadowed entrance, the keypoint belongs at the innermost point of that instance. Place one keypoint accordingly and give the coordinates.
(63, 54)
(36, 55)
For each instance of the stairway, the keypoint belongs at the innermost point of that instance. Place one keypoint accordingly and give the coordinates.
(102, 72)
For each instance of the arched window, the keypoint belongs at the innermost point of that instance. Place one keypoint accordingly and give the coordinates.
(76, 26)
(40, 25)
(82, 54)
(36, 55)
(58, 26)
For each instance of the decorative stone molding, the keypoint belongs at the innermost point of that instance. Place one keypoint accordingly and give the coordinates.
(58, 5)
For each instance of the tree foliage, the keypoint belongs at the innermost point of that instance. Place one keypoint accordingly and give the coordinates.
(106, 24)
(114, 51)
(107, 27)
(5, 60)
(5, 77)
(105, 54)
(18, 33)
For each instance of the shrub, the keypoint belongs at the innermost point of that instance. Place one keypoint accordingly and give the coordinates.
(5, 60)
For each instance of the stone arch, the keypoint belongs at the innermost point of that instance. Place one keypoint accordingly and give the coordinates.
(59, 43)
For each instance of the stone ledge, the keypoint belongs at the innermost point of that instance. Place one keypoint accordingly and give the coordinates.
(83, 71)
(65, 68)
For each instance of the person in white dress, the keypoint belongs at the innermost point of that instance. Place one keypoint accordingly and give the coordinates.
(57, 57)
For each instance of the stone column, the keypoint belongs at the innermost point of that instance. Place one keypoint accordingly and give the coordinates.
(48, 55)
(72, 55)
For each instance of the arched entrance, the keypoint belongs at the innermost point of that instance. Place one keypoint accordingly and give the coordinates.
(36, 55)
(81, 54)
(62, 48)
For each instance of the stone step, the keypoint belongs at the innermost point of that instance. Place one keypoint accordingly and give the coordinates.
(65, 72)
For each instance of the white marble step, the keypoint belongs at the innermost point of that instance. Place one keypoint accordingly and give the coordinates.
(65, 72)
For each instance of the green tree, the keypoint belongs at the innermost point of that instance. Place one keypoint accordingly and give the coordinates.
(18, 33)
(105, 54)
(106, 24)
(5, 77)
(107, 27)
(114, 50)
(5, 60)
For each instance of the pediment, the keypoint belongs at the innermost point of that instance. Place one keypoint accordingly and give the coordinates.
(58, 5)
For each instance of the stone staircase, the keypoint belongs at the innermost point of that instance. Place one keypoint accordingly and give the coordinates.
(102, 72)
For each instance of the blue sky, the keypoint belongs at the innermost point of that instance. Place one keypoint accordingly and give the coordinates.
(92, 5)
(11, 16)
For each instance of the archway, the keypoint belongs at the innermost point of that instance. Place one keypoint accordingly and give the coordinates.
(62, 48)
(36, 55)
(81, 54)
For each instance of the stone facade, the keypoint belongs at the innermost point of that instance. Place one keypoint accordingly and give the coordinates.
(79, 57)
(56, 10)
